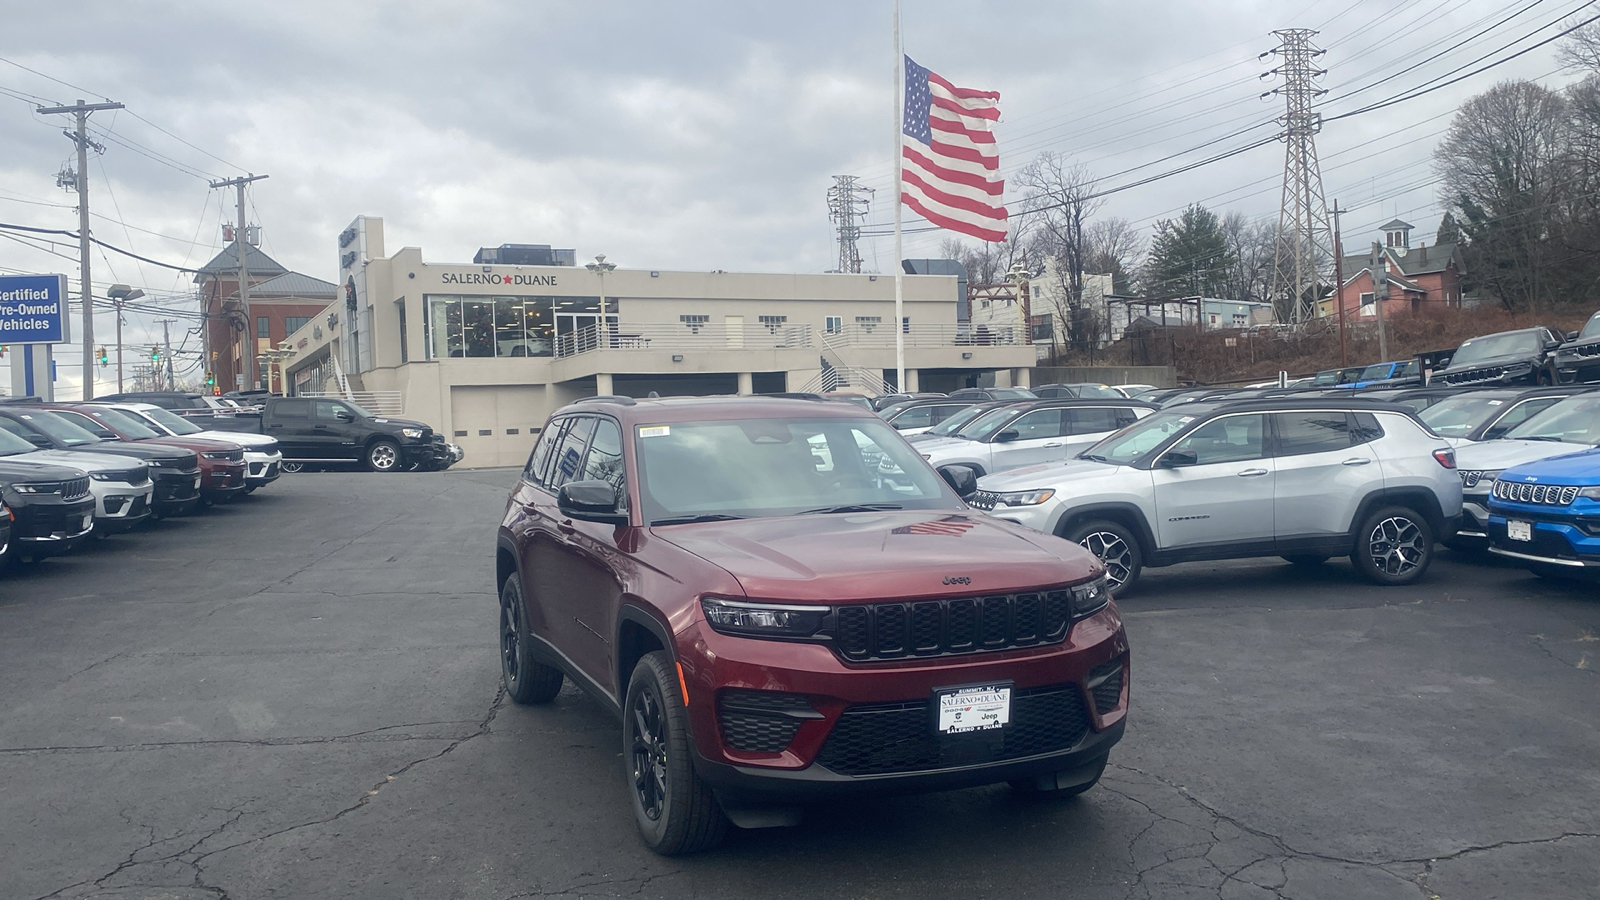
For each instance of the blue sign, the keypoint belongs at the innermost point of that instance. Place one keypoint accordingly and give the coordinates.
(33, 309)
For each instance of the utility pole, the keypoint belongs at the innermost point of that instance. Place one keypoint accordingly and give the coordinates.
(247, 358)
(1303, 227)
(848, 202)
(166, 353)
(1338, 284)
(1380, 293)
(81, 137)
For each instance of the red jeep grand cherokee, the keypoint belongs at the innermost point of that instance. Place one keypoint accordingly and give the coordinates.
(783, 602)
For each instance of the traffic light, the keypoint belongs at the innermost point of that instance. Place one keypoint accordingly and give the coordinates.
(104, 359)
(155, 353)
(211, 379)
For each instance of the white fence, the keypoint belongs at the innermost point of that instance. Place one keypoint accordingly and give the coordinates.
(379, 403)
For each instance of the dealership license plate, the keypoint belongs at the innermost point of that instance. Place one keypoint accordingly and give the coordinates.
(965, 710)
(1519, 531)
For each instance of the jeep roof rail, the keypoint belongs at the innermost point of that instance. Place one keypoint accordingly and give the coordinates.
(606, 398)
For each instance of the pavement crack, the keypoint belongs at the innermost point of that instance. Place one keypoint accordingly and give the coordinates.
(374, 735)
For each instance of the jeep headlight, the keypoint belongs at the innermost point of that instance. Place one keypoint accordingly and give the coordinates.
(1590, 493)
(34, 488)
(1090, 597)
(1023, 498)
(106, 476)
(412, 433)
(763, 619)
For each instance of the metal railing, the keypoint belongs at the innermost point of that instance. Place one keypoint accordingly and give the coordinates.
(379, 403)
(707, 336)
(860, 335)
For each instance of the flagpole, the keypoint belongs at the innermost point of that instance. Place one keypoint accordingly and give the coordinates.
(899, 268)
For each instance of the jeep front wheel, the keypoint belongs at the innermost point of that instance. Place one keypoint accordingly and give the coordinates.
(675, 811)
(1394, 546)
(1114, 545)
(527, 680)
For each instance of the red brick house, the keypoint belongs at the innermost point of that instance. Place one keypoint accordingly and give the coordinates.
(1420, 277)
(280, 302)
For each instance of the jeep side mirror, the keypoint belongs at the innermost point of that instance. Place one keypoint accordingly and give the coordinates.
(1007, 436)
(962, 479)
(1176, 459)
(1572, 335)
(590, 501)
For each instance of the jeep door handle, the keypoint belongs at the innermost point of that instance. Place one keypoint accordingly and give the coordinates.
(1356, 462)
(1054, 444)
(1251, 473)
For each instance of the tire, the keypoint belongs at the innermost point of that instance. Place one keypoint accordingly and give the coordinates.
(1394, 546)
(527, 680)
(1306, 560)
(383, 456)
(292, 468)
(1030, 788)
(675, 811)
(1112, 544)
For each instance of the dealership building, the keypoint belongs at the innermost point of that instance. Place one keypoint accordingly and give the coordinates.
(485, 351)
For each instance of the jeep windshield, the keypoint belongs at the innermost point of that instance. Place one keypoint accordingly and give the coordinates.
(170, 421)
(1575, 420)
(1456, 416)
(956, 422)
(1591, 328)
(1130, 444)
(750, 468)
(58, 429)
(1516, 343)
(987, 424)
(11, 445)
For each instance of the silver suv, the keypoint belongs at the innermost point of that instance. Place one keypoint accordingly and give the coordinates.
(1303, 479)
(1026, 434)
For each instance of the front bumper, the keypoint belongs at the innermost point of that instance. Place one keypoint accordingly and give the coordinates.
(1570, 541)
(54, 528)
(120, 506)
(869, 727)
(263, 468)
(1474, 520)
(177, 491)
(221, 480)
(430, 453)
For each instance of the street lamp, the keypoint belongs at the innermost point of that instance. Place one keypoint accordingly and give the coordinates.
(600, 267)
(120, 294)
(268, 358)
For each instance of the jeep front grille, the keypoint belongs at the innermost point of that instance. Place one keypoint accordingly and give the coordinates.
(75, 489)
(1545, 494)
(958, 625)
(984, 500)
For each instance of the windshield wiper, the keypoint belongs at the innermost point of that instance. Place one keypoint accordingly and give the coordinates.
(1093, 456)
(1543, 437)
(851, 508)
(703, 517)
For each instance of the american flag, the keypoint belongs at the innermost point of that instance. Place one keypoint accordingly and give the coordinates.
(950, 167)
(949, 526)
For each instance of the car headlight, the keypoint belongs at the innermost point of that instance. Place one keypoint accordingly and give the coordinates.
(105, 476)
(1090, 597)
(763, 619)
(216, 454)
(412, 433)
(34, 488)
(1590, 493)
(1023, 498)
(1471, 478)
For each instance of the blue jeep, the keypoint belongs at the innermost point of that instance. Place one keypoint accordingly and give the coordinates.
(1546, 514)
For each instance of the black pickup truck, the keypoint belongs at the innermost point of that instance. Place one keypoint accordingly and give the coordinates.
(328, 430)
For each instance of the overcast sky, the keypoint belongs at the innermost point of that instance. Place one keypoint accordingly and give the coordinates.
(682, 135)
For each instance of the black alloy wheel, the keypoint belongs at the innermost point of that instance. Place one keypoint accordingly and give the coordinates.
(527, 680)
(675, 811)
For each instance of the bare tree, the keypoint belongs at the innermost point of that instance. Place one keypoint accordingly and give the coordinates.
(1253, 246)
(1581, 48)
(1058, 202)
(986, 263)
(1115, 249)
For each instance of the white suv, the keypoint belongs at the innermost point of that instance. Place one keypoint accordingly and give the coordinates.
(262, 458)
(1026, 434)
(1303, 479)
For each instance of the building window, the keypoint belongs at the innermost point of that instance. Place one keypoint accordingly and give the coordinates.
(1040, 328)
(1240, 320)
(867, 323)
(773, 323)
(456, 326)
(400, 307)
(263, 328)
(695, 322)
(291, 324)
(833, 324)
(1366, 298)
(1213, 319)
(905, 325)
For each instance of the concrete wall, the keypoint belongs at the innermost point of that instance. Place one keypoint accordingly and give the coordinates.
(1160, 376)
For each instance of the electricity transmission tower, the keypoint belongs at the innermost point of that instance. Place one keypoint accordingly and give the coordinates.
(848, 202)
(1305, 234)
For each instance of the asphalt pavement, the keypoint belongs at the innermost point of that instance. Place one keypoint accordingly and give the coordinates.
(298, 695)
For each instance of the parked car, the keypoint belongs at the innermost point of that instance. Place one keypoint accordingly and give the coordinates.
(1303, 479)
(1544, 513)
(1136, 391)
(1417, 398)
(222, 466)
(1567, 426)
(958, 420)
(884, 401)
(785, 631)
(1334, 377)
(1078, 390)
(913, 417)
(1029, 433)
(1488, 414)
(329, 430)
(175, 472)
(1578, 360)
(1389, 374)
(861, 400)
(996, 393)
(262, 459)
(50, 508)
(174, 400)
(1525, 356)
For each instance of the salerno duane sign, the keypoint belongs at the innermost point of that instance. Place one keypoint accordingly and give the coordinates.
(497, 278)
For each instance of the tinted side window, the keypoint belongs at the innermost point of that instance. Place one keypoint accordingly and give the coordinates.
(1094, 420)
(294, 409)
(1126, 417)
(1366, 428)
(1041, 423)
(568, 458)
(1312, 432)
(328, 410)
(940, 413)
(1517, 415)
(604, 462)
(541, 452)
(915, 417)
(1229, 439)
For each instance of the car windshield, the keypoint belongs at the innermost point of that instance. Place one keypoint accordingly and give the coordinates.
(1591, 328)
(781, 467)
(954, 423)
(1097, 392)
(1460, 415)
(1514, 343)
(58, 429)
(1127, 445)
(127, 424)
(171, 421)
(10, 444)
(1375, 372)
(1012, 394)
(1575, 420)
(987, 424)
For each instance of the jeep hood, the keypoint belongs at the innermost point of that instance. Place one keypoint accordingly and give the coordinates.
(93, 461)
(1054, 474)
(1581, 468)
(1504, 359)
(828, 558)
(1495, 455)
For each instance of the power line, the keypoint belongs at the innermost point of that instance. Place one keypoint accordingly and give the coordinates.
(5, 226)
